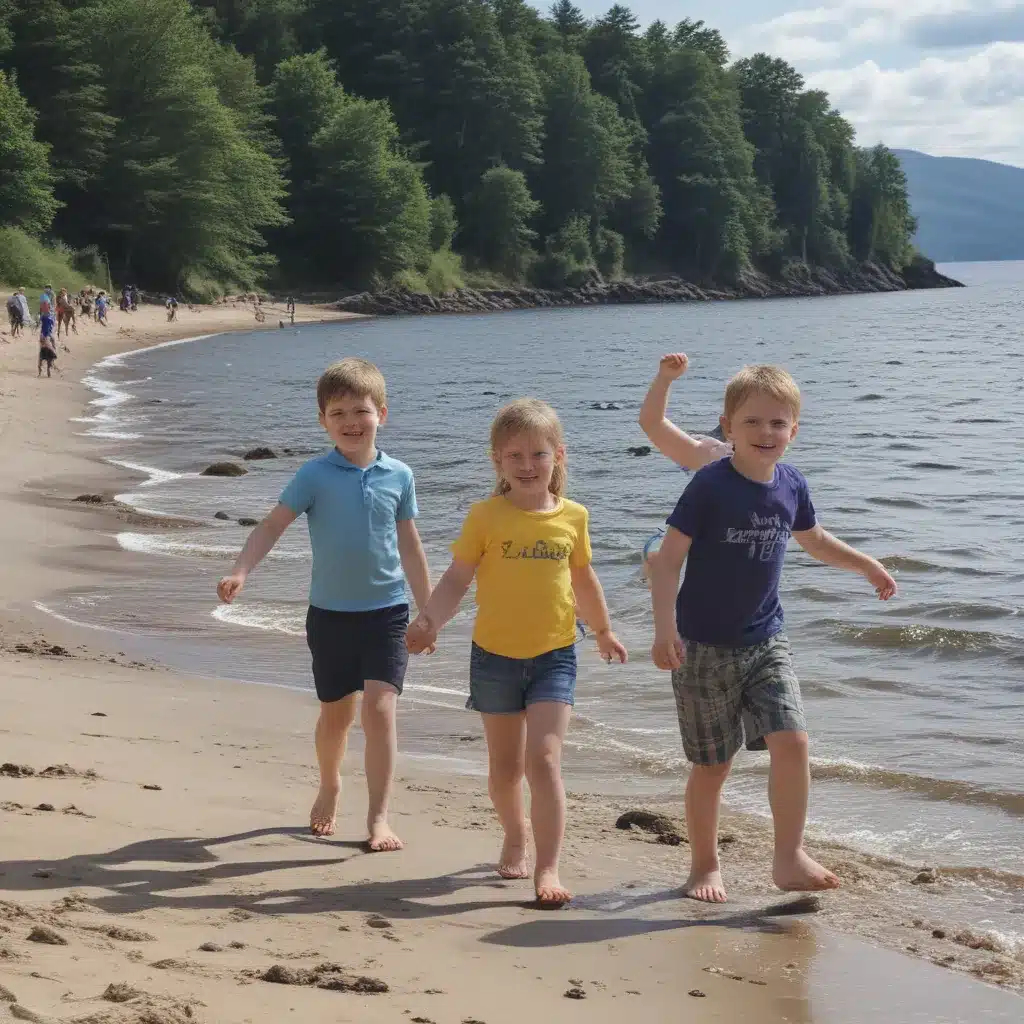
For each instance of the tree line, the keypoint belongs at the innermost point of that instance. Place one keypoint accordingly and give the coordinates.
(207, 145)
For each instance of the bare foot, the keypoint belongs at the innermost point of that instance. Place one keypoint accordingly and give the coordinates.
(802, 874)
(551, 894)
(324, 814)
(512, 863)
(706, 886)
(382, 839)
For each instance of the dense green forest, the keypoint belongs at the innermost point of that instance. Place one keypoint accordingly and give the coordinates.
(328, 143)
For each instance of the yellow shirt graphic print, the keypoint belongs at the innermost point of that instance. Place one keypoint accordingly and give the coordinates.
(524, 597)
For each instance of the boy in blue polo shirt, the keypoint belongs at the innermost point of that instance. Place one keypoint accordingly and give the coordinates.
(360, 505)
(722, 635)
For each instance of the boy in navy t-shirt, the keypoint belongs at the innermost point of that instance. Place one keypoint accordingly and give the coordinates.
(722, 635)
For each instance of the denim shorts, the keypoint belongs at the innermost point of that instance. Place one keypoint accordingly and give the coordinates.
(505, 686)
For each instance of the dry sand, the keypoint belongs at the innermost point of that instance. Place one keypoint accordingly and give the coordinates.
(160, 868)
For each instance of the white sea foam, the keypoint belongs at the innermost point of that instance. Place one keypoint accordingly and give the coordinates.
(153, 475)
(118, 358)
(47, 610)
(262, 615)
(112, 435)
(155, 544)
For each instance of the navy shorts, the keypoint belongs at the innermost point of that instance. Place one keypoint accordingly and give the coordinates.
(505, 686)
(350, 647)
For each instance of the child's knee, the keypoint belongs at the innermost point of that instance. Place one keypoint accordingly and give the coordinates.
(791, 744)
(710, 774)
(338, 715)
(544, 759)
(505, 772)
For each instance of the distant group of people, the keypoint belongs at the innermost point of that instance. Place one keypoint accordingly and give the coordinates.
(129, 299)
(58, 315)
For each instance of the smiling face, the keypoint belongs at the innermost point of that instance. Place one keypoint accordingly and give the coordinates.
(527, 461)
(760, 428)
(351, 422)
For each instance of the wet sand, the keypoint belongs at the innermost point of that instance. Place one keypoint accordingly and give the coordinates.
(177, 823)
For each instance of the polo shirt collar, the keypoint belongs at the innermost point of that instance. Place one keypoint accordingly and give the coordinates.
(336, 458)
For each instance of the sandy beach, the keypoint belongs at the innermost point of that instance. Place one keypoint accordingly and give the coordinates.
(155, 866)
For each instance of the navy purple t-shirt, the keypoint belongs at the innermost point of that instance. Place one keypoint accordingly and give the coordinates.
(740, 529)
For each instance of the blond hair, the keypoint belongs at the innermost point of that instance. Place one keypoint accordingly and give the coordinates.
(762, 380)
(529, 416)
(352, 376)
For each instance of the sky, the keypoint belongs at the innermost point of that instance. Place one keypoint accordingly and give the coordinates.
(942, 76)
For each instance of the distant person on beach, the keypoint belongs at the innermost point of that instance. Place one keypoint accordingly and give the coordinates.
(47, 345)
(14, 314)
(101, 308)
(65, 314)
(133, 298)
(46, 300)
(722, 635)
(361, 508)
(529, 548)
(26, 313)
(172, 307)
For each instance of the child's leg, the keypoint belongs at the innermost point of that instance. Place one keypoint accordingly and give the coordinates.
(774, 717)
(789, 783)
(546, 725)
(506, 760)
(703, 799)
(331, 736)
(380, 707)
(708, 689)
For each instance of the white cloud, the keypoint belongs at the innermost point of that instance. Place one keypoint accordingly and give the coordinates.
(971, 106)
(945, 76)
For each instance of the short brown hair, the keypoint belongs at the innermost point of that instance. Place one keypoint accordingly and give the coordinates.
(762, 380)
(529, 416)
(352, 376)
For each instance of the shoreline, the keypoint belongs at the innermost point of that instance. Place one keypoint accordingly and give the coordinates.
(53, 545)
(795, 281)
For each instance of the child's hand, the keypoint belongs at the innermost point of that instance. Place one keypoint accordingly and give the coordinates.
(610, 647)
(668, 654)
(884, 584)
(230, 587)
(673, 366)
(421, 637)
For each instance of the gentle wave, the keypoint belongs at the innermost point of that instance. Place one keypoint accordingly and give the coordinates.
(262, 615)
(162, 544)
(153, 475)
(935, 639)
(946, 790)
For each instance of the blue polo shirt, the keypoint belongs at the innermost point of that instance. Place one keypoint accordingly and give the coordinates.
(353, 516)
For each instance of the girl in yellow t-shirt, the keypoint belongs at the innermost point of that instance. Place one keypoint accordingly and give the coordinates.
(529, 549)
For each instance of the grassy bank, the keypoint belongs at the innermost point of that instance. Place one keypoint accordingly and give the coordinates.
(27, 262)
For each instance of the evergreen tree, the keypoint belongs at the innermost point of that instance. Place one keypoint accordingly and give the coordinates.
(26, 190)
(497, 231)
(184, 193)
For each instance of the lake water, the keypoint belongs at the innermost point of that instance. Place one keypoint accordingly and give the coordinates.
(908, 438)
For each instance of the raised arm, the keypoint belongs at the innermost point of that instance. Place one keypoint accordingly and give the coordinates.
(676, 444)
(414, 562)
(257, 546)
(665, 566)
(442, 605)
(820, 544)
(594, 611)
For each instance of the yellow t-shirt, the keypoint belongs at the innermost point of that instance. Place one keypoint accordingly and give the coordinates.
(524, 597)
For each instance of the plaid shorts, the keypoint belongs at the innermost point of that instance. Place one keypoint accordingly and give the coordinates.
(725, 693)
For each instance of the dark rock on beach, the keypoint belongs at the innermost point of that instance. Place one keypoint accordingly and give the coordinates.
(640, 450)
(221, 516)
(258, 454)
(91, 499)
(244, 521)
(796, 280)
(661, 825)
(225, 469)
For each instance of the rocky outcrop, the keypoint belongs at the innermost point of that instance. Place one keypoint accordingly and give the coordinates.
(795, 281)
(260, 453)
(224, 469)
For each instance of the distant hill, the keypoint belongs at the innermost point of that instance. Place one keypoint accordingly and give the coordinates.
(968, 209)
